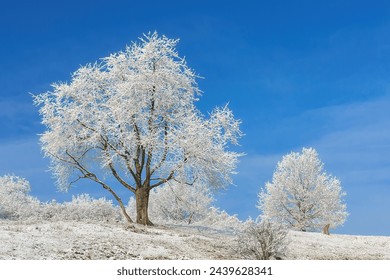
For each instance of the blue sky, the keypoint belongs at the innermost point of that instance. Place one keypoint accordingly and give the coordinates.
(297, 73)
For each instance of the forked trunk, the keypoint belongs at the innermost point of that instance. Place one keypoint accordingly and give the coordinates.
(142, 204)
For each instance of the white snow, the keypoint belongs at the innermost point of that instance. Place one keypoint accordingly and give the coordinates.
(95, 240)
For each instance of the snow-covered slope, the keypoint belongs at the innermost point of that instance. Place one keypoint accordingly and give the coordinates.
(78, 240)
(317, 246)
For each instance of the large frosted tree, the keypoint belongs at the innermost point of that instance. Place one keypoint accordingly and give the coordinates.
(132, 118)
(301, 195)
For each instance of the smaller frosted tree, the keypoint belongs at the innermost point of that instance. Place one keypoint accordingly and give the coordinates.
(301, 195)
(15, 201)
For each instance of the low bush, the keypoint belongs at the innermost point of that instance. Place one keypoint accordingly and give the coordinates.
(262, 241)
(81, 208)
(17, 204)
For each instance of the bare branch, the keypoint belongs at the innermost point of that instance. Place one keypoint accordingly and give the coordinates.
(60, 159)
(186, 183)
(163, 180)
(107, 144)
(78, 178)
(123, 182)
(89, 175)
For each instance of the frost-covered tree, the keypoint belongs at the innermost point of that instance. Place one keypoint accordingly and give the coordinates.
(301, 195)
(132, 117)
(15, 201)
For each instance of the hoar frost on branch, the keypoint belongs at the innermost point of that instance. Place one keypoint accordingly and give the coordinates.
(132, 117)
(301, 195)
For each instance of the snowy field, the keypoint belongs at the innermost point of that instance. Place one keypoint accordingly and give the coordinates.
(79, 240)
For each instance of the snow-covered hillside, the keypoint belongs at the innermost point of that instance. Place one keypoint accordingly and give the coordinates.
(96, 240)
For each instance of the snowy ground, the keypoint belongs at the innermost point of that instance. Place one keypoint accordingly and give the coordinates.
(77, 240)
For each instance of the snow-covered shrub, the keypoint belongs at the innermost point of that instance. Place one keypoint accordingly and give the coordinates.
(82, 208)
(15, 202)
(177, 203)
(220, 219)
(51, 211)
(262, 241)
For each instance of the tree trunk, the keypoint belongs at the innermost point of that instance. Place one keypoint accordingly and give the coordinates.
(142, 204)
(325, 229)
